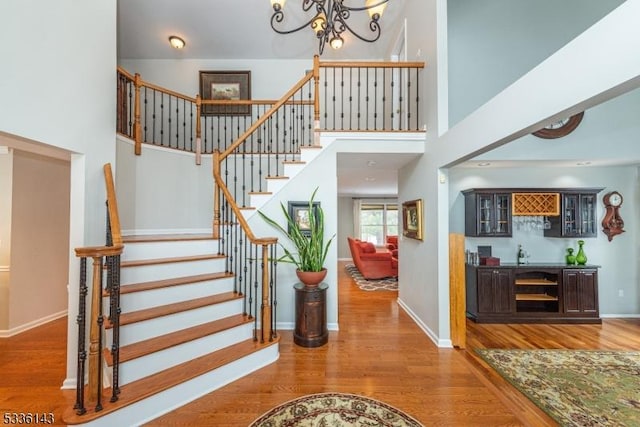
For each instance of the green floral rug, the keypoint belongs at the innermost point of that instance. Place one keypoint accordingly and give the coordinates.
(575, 387)
(335, 410)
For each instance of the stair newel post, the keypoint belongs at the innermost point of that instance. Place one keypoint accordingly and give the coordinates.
(81, 320)
(266, 307)
(137, 128)
(316, 91)
(216, 196)
(198, 130)
(273, 287)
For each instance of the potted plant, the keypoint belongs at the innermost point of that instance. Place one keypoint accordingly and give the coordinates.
(311, 249)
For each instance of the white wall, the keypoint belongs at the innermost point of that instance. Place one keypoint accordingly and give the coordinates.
(492, 43)
(163, 190)
(541, 94)
(270, 79)
(58, 89)
(616, 272)
(345, 226)
(39, 239)
(6, 192)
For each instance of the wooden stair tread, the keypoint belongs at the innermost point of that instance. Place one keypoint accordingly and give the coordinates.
(293, 162)
(313, 147)
(247, 208)
(148, 386)
(257, 193)
(277, 177)
(140, 262)
(152, 345)
(167, 237)
(158, 284)
(178, 307)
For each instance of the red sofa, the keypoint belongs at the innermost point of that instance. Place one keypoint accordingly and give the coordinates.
(392, 242)
(370, 263)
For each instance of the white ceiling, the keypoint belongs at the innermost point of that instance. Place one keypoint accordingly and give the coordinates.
(240, 29)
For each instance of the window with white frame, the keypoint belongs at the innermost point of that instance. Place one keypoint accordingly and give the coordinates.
(377, 221)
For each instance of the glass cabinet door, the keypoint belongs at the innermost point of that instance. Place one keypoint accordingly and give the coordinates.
(570, 220)
(485, 214)
(503, 212)
(587, 215)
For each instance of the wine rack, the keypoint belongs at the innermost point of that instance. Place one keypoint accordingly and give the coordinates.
(539, 204)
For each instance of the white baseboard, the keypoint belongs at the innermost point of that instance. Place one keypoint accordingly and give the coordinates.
(6, 333)
(346, 259)
(434, 337)
(161, 231)
(620, 316)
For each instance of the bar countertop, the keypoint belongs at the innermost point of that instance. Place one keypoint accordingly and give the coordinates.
(538, 265)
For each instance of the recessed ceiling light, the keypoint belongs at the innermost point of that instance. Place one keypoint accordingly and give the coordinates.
(369, 179)
(484, 164)
(176, 42)
(371, 163)
(583, 163)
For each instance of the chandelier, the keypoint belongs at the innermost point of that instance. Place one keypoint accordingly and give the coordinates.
(329, 20)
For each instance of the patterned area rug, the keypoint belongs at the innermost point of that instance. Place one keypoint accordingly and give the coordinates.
(334, 410)
(575, 387)
(387, 284)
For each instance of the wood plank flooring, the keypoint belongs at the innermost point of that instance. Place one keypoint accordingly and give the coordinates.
(378, 352)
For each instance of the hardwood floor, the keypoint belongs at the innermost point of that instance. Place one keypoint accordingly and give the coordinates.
(379, 352)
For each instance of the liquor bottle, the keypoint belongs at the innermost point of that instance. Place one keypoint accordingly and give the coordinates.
(520, 255)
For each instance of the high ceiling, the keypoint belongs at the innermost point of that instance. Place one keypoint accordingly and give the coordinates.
(239, 29)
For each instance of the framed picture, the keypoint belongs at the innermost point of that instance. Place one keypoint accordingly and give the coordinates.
(225, 85)
(412, 219)
(299, 213)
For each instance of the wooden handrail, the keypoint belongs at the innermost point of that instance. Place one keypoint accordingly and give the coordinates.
(167, 91)
(99, 251)
(266, 116)
(125, 73)
(234, 207)
(387, 64)
(112, 202)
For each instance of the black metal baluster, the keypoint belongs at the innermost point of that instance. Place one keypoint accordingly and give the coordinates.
(100, 331)
(342, 98)
(161, 119)
(333, 98)
(350, 98)
(366, 99)
(384, 97)
(273, 286)
(417, 99)
(81, 321)
(169, 123)
(359, 94)
(375, 99)
(393, 106)
(400, 99)
(115, 322)
(326, 108)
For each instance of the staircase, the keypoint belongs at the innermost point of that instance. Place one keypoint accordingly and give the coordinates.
(183, 331)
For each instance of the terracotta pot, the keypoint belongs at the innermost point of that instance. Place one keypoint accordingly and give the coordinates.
(311, 278)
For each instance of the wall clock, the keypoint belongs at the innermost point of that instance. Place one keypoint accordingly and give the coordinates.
(560, 128)
(612, 223)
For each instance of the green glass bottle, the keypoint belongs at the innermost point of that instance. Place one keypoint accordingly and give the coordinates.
(581, 257)
(570, 257)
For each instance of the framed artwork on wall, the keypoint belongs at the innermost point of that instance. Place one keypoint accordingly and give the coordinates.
(225, 85)
(299, 212)
(412, 219)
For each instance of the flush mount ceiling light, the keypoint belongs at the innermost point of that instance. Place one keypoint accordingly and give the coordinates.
(329, 20)
(176, 42)
(483, 164)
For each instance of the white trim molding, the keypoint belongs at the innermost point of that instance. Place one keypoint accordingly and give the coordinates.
(5, 268)
(437, 341)
(6, 333)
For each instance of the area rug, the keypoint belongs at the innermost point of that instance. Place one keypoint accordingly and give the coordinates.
(386, 284)
(335, 410)
(575, 387)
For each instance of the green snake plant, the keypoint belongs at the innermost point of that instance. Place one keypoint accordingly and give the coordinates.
(311, 251)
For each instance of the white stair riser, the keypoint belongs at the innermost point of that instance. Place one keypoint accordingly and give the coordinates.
(141, 300)
(292, 170)
(275, 185)
(257, 200)
(152, 250)
(172, 270)
(309, 154)
(150, 364)
(151, 328)
(158, 404)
